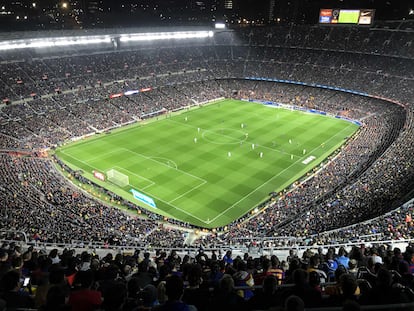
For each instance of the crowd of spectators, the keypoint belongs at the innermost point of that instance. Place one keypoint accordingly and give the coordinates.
(54, 99)
(34, 279)
(40, 202)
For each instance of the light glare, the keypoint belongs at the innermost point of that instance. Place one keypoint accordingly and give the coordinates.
(84, 40)
(53, 42)
(166, 36)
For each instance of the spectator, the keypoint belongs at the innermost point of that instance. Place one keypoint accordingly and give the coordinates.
(12, 292)
(310, 296)
(82, 297)
(56, 299)
(174, 288)
(195, 293)
(226, 298)
(294, 303)
(383, 292)
(265, 298)
(348, 291)
(342, 258)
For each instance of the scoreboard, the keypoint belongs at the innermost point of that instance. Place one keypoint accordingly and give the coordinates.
(346, 16)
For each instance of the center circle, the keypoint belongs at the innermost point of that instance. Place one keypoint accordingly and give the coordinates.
(224, 136)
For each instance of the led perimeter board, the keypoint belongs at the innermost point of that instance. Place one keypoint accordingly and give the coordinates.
(346, 17)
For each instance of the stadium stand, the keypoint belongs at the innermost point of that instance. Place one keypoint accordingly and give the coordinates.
(356, 199)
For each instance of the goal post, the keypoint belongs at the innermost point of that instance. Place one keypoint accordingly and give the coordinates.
(117, 178)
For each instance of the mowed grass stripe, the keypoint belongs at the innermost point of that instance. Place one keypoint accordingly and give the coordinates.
(198, 182)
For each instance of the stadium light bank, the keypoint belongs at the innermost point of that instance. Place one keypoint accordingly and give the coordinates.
(100, 39)
(53, 42)
(166, 36)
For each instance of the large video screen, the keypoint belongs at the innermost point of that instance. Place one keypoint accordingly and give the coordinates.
(344, 16)
(348, 17)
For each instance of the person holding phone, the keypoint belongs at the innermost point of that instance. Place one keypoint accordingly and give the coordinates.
(13, 294)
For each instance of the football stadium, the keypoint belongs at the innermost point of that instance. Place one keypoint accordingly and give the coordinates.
(229, 163)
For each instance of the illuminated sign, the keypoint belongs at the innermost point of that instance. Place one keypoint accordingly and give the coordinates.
(346, 17)
(366, 17)
(142, 197)
(99, 175)
(325, 16)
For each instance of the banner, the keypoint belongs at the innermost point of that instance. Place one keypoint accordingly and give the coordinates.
(143, 198)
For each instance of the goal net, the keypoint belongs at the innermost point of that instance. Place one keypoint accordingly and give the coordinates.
(117, 178)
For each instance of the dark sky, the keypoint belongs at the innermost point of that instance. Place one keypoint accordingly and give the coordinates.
(113, 13)
(386, 8)
(308, 10)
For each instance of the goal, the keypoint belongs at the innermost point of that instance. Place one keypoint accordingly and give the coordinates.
(117, 178)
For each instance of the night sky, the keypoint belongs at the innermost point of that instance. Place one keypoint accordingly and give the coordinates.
(78, 14)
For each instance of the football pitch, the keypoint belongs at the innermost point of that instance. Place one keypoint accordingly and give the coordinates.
(210, 165)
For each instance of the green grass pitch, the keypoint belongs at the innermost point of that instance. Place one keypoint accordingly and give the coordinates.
(210, 165)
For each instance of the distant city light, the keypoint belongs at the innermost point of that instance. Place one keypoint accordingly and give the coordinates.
(411, 12)
(64, 5)
(34, 4)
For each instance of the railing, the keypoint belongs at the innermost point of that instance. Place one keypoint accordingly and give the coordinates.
(238, 250)
(12, 236)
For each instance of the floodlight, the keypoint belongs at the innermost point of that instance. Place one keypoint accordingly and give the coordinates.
(53, 42)
(220, 26)
(132, 92)
(84, 40)
(165, 36)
